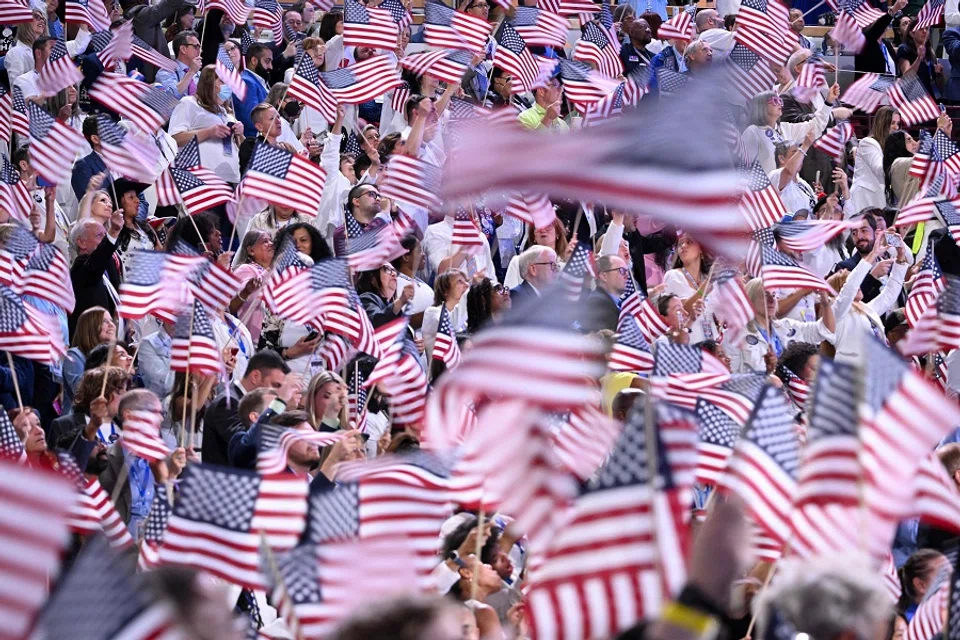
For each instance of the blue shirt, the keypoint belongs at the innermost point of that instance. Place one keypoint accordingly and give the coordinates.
(640, 6)
(256, 93)
(56, 28)
(141, 492)
(170, 80)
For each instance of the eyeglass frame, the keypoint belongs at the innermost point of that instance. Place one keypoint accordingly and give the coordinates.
(553, 265)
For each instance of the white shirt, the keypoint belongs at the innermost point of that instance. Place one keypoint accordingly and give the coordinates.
(437, 245)
(27, 83)
(422, 294)
(796, 195)
(223, 160)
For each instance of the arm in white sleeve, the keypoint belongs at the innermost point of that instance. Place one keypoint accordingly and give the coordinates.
(951, 13)
(797, 131)
(611, 240)
(841, 306)
(890, 291)
(330, 155)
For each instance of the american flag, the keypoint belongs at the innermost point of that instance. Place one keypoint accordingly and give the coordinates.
(311, 293)
(371, 249)
(606, 108)
(737, 395)
(810, 79)
(930, 14)
(267, 14)
(150, 55)
(412, 181)
(399, 12)
(92, 13)
(445, 348)
(218, 518)
(186, 181)
(868, 92)
(925, 205)
(749, 72)
(400, 95)
(670, 82)
(14, 12)
(631, 351)
(780, 271)
(209, 283)
(101, 596)
(680, 26)
(46, 275)
(447, 65)
(466, 234)
(153, 284)
(927, 621)
(582, 85)
(14, 197)
(617, 164)
(796, 388)
(6, 113)
(761, 203)
(20, 119)
(33, 534)
(934, 154)
(763, 26)
(862, 11)
(93, 511)
(834, 140)
(768, 450)
(443, 27)
(357, 393)
(355, 84)
(59, 72)
(126, 155)
(583, 438)
(111, 46)
(335, 352)
(634, 304)
(927, 286)
(950, 215)
(621, 554)
(672, 358)
(569, 7)
(754, 260)
(903, 417)
(829, 474)
(275, 443)
(287, 34)
(596, 47)
(532, 208)
(526, 336)
(391, 495)
(284, 178)
(938, 327)
(365, 26)
(27, 332)
(580, 264)
(406, 381)
(154, 528)
(540, 27)
(147, 106)
(237, 10)
(935, 495)
(731, 305)
(315, 585)
(11, 447)
(229, 74)
(141, 436)
(848, 33)
(912, 101)
(891, 580)
(20, 244)
(194, 345)
(512, 56)
(53, 145)
(809, 235)
(718, 434)
(245, 41)
(287, 263)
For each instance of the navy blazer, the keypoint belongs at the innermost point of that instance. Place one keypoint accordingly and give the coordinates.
(84, 169)
(523, 291)
(951, 45)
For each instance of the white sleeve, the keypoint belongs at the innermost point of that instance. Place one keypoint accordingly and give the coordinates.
(951, 13)
(330, 155)
(811, 332)
(890, 291)
(512, 277)
(841, 306)
(79, 44)
(611, 240)
(181, 120)
(797, 131)
(751, 140)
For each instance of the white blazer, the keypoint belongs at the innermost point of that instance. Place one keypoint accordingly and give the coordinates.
(867, 189)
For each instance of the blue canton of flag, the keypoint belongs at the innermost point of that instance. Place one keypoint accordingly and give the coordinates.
(831, 412)
(671, 358)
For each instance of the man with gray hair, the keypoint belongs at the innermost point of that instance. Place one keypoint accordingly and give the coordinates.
(828, 598)
(698, 56)
(94, 274)
(538, 268)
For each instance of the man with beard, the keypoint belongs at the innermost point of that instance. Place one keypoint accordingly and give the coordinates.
(259, 64)
(864, 237)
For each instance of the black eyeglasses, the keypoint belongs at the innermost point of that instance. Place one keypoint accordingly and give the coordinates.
(622, 270)
(553, 265)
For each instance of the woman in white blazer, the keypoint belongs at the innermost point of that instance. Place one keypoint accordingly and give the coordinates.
(853, 316)
(868, 188)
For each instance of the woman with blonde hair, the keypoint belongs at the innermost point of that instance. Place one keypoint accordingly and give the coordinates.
(325, 402)
(865, 317)
(19, 59)
(553, 236)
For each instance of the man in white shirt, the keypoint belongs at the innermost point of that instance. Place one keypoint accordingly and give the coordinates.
(27, 83)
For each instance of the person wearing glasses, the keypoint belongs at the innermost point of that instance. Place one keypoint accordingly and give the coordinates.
(538, 268)
(364, 212)
(183, 81)
(545, 114)
(602, 305)
(767, 130)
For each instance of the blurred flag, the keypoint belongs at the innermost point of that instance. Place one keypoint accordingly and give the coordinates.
(780, 271)
(229, 74)
(680, 26)
(93, 14)
(540, 27)
(927, 287)
(146, 105)
(193, 345)
(275, 443)
(412, 181)
(125, 154)
(141, 436)
(284, 178)
(59, 72)
(582, 85)
(369, 26)
(53, 145)
(912, 101)
(449, 29)
(27, 332)
(631, 351)
(834, 141)
(930, 14)
(447, 65)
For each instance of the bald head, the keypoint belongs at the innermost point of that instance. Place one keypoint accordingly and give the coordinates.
(708, 19)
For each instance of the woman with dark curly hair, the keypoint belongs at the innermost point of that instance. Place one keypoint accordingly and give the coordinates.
(306, 239)
(208, 240)
(486, 302)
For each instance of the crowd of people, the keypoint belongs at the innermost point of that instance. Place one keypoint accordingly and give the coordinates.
(275, 371)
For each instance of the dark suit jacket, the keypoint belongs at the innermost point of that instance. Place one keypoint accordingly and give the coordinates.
(599, 312)
(640, 245)
(523, 291)
(871, 60)
(220, 422)
(86, 274)
(110, 476)
(65, 425)
(84, 169)
(951, 46)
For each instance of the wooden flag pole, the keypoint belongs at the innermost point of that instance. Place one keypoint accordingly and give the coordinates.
(186, 387)
(16, 384)
(106, 365)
